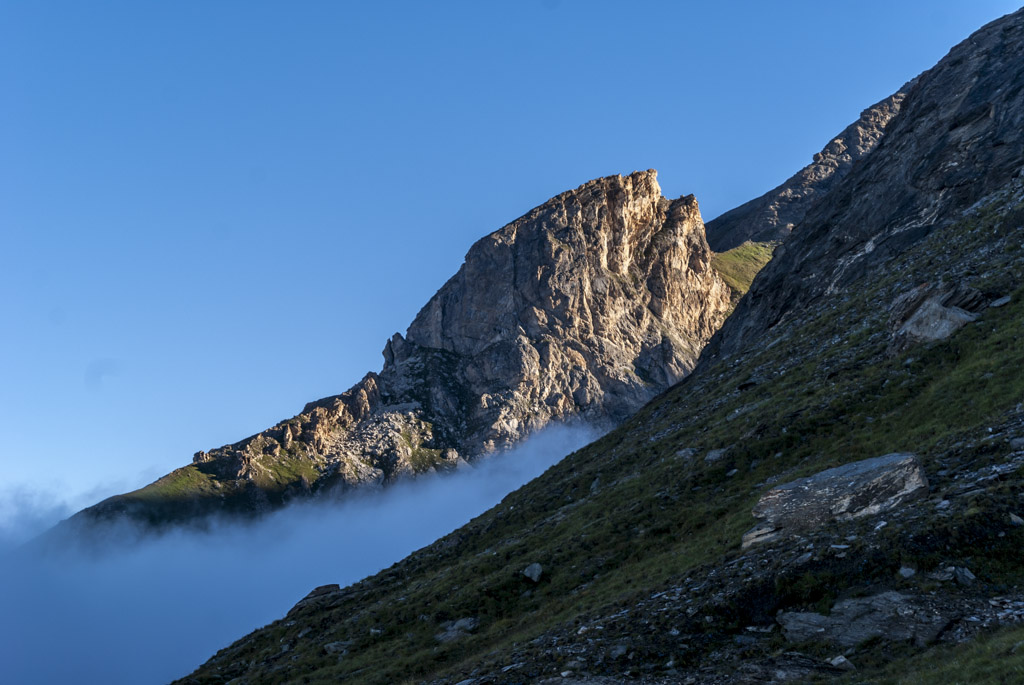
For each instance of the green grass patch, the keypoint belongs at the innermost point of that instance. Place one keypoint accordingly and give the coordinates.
(991, 659)
(188, 481)
(285, 469)
(738, 266)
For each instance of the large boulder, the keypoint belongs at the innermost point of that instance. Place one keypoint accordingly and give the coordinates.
(859, 489)
(929, 313)
(890, 616)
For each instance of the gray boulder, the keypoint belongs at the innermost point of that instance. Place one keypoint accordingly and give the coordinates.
(533, 572)
(453, 630)
(891, 616)
(859, 489)
(715, 455)
(932, 312)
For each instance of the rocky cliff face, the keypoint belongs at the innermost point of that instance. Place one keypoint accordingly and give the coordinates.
(771, 217)
(958, 139)
(586, 307)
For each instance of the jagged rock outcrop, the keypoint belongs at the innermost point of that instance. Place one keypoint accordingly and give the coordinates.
(588, 306)
(862, 488)
(771, 217)
(890, 616)
(959, 138)
(930, 312)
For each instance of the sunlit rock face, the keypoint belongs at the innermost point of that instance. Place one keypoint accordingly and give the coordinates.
(589, 305)
(586, 307)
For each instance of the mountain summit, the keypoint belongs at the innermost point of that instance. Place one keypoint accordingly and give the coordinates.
(586, 307)
(835, 488)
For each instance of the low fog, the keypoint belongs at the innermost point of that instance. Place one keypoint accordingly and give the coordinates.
(156, 610)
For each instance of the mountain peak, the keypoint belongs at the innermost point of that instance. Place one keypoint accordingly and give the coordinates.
(585, 307)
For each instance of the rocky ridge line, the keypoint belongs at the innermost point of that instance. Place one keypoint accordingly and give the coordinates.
(586, 307)
(958, 138)
(772, 217)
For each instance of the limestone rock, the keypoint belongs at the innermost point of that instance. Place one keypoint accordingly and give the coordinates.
(842, 662)
(929, 313)
(453, 630)
(715, 455)
(586, 307)
(533, 572)
(890, 616)
(932, 321)
(859, 489)
(321, 597)
(339, 647)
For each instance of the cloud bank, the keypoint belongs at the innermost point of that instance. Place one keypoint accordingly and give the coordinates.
(156, 610)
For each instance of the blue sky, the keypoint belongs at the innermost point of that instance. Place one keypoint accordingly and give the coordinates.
(214, 212)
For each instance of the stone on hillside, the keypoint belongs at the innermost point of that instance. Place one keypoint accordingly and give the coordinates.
(340, 647)
(862, 488)
(714, 455)
(842, 662)
(533, 572)
(890, 616)
(929, 313)
(1016, 520)
(1005, 300)
(932, 321)
(963, 576)
(453, 630)
(320, 597)
(468, 624)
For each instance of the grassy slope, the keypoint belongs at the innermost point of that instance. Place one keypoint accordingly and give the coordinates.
(994, 659)
(627, 515)
(738, 266)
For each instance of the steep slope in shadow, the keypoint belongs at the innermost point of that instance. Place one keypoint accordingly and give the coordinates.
(956, 140)
(771, 217)
(637, 537)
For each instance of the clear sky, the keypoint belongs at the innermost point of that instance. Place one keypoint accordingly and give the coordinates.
(214, 212)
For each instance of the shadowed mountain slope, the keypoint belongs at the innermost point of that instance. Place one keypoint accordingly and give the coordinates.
(957, 139)
(771, 217)
(893, 322)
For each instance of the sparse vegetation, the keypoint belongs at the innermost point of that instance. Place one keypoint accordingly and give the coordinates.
(627, 515)
(740, 265)
(996, 659)
(188, 481)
